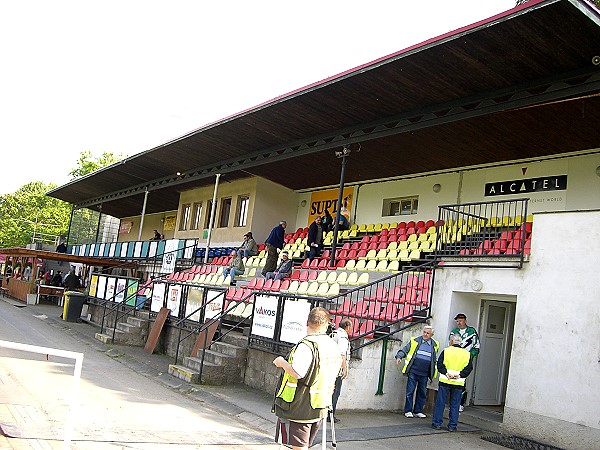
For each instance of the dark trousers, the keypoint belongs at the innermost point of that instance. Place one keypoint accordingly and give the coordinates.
(418, 383)
(336, 392)
(445, 391)
(271, 262)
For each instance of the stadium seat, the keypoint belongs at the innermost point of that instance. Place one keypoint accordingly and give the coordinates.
(352, 279)
(313, 288)
(303, 288)
(334, 289)
(322, 290)
(291, 288)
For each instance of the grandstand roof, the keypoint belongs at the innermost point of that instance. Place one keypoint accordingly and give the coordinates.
(522, 84)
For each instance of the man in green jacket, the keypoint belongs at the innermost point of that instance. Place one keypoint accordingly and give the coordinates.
(419, 365)
(470, 342)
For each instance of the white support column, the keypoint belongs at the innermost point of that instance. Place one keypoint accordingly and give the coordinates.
(212, 218)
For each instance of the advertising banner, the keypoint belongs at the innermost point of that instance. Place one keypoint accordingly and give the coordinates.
(265, 315)
(121, 290)
(110, 288)
(327, 200)
(101, 291)
(158, 296)
(194, 302)
(132, 290)
(215, 306)
(293, 323)
(168, 265)
(93, 285)
(174, 298)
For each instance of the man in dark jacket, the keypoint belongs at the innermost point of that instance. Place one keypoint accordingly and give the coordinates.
(274, 242)
(419, 365)
(315, 238)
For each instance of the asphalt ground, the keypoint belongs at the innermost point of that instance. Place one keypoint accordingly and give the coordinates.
(127, 400)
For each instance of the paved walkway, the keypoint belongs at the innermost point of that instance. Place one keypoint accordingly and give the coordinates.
(252, 408)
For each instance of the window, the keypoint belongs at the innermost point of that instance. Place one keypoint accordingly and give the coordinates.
(196, 216)
(400, 206)
(225, 211)
(185, 217)
(208, 212)
(242, 211)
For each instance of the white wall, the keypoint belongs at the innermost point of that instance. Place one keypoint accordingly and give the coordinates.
(554, 374)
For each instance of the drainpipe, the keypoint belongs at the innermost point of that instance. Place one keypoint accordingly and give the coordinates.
(212, 218)
(143, 214)
(382, 367)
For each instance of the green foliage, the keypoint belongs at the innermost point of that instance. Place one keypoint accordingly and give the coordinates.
(28, 212)
(87, 163)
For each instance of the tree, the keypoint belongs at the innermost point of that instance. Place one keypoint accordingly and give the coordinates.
(29, 215)
(87, 164)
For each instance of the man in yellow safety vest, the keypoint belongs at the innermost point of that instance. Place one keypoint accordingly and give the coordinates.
(454, 365)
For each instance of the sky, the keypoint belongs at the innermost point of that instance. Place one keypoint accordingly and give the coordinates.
(127, 76)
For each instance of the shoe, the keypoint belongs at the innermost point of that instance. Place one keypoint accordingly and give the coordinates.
(451, 429)
(461, 408)
(336, 420)
(232, 283)
(408, 414)
(435, 427)
(420, 415)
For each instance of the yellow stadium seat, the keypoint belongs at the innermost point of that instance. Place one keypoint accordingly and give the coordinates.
(413, 245)
(353, 227)
(371, 254)
(332, 276)
(392, 255)
(370, 266)
(303, 288)
(342, 278)
(363, 279)
(313, 288)
(403, 255)
(414, 254)
(361, 265)
(370, 228)
(381, 254)
(412, 237)
(382, 266)
(403, 245)
(334, 289)
(362, 228)
(423, 237)
(322, 290)
(292, 288)
(350, 265)
(322, 277)
(352, 279)
(393, 266)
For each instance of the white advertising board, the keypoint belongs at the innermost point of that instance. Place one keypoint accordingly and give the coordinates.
(293, 323)
(158, 296)
(265, 315)
(215, 306)
(170, 256)
(174, 298)
(101, 290)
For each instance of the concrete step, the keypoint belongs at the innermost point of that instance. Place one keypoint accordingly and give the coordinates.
(121, 338)
(211, 373)
(236, 338)
(212, 357)
(489, 419)
(183, 373)
(138, 321)
(230, 349)
(130, 329)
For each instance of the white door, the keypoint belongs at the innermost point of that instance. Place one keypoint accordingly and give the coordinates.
(494, 354)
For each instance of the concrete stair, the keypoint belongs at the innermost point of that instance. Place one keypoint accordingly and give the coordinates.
(224, 363)
(132, 332)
